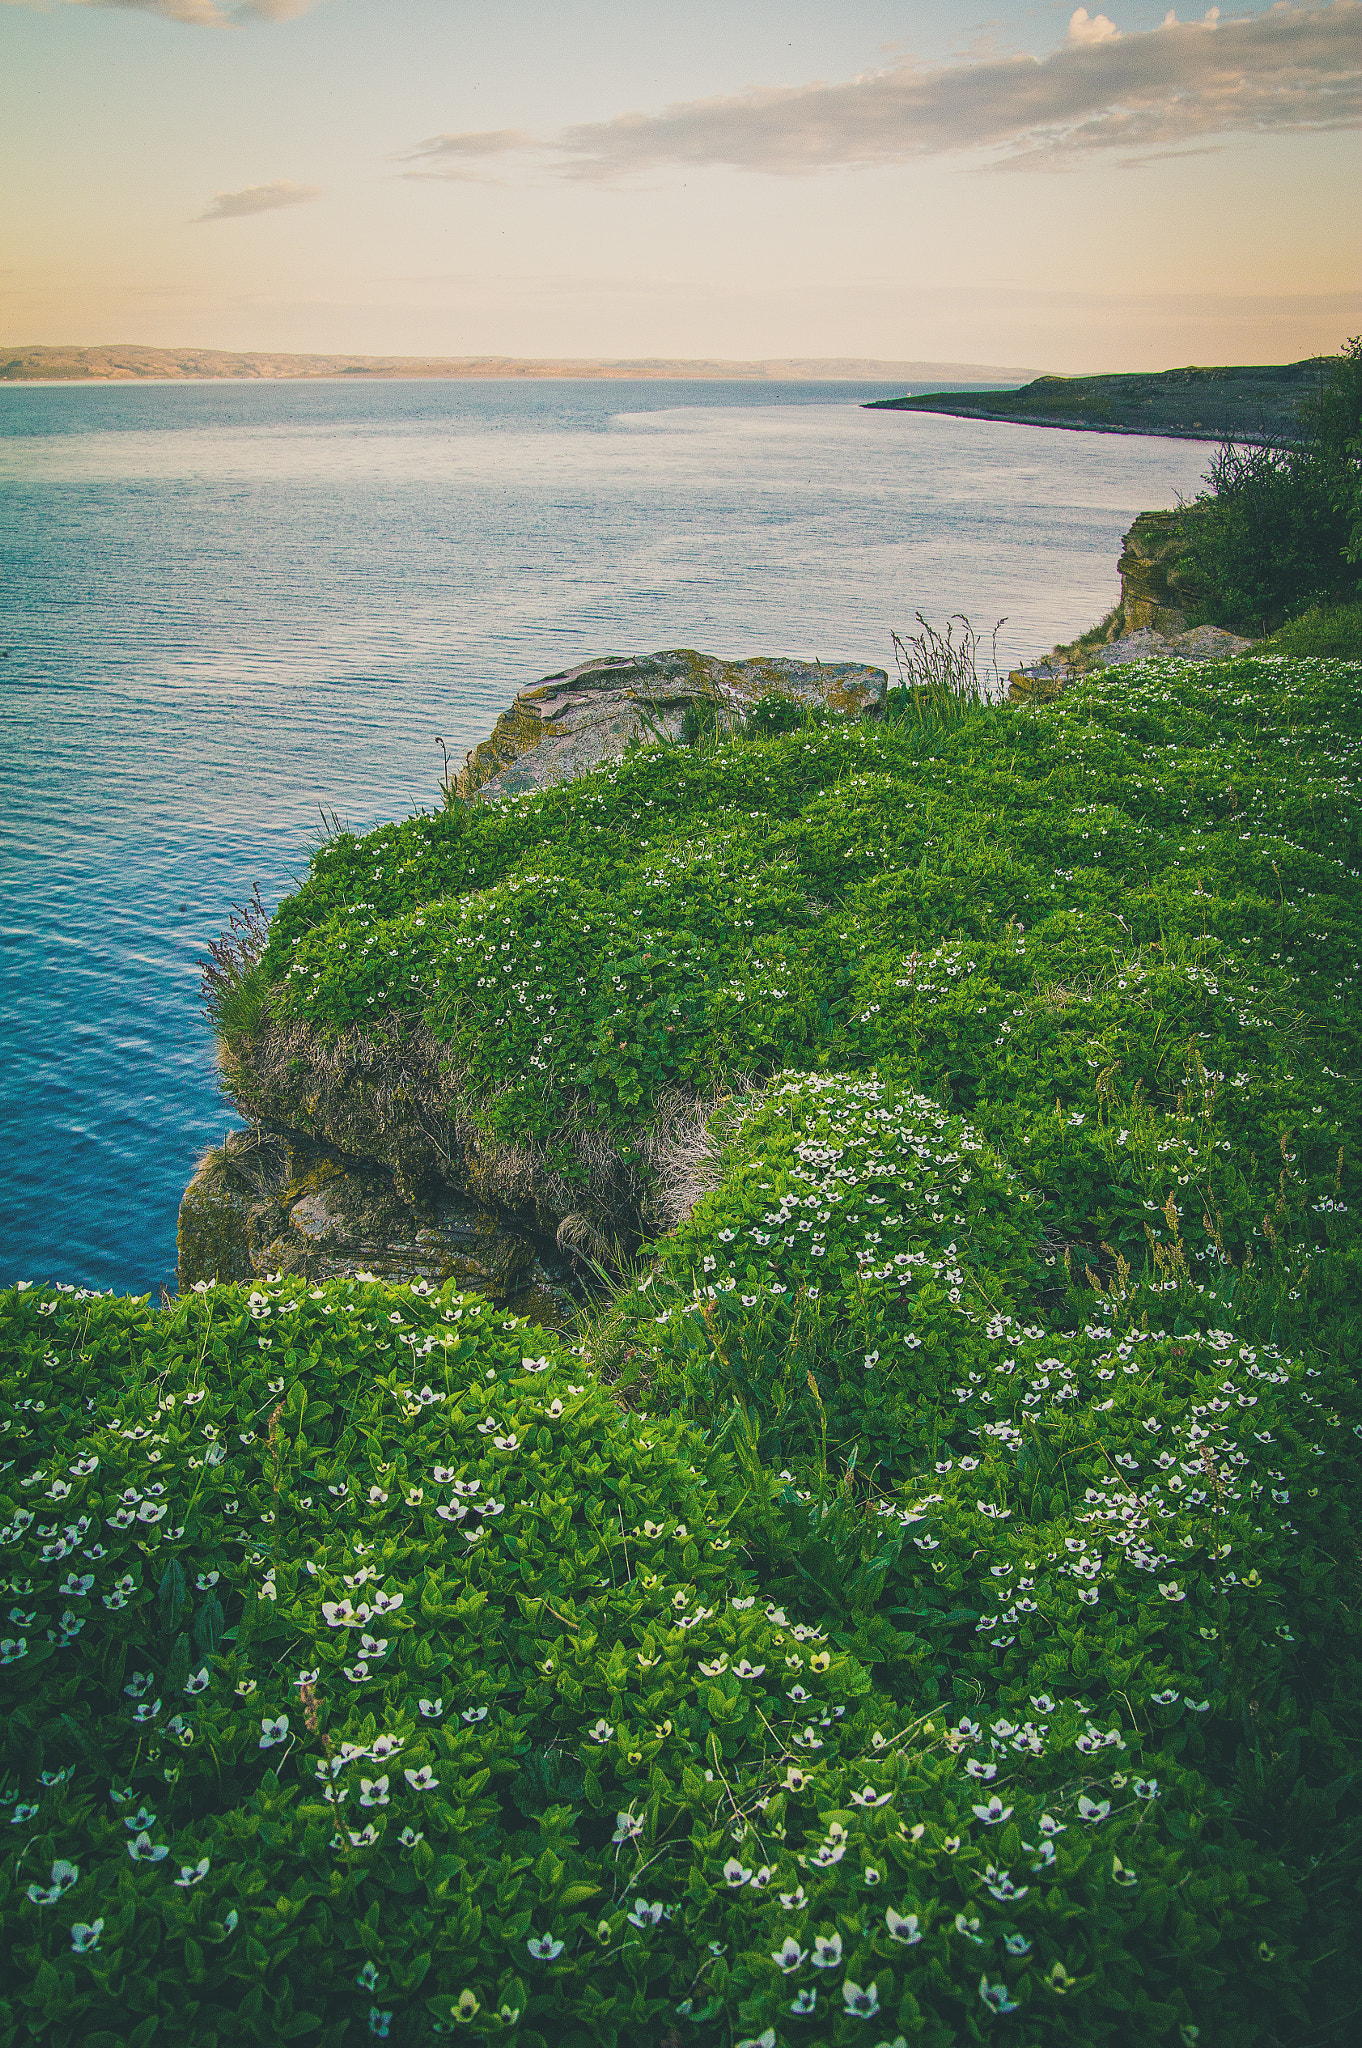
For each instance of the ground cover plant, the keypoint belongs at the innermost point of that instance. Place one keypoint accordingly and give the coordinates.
(374, 1678)
(920, 1604)
(1121, 930)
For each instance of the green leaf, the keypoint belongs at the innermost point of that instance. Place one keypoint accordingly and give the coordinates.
(177, 1667)
(209, 1623)
(172, 1594)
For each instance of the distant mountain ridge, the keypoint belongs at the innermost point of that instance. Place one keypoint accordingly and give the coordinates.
(121, 362)
(1236, 402)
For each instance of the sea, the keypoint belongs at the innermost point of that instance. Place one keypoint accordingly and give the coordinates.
(231, 611)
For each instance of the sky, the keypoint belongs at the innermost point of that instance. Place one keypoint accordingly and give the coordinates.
(1038, 186)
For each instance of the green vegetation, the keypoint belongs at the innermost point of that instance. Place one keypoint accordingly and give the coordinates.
(1153, 883)
(1240, 402)
(1322, 633)
(923, 1605)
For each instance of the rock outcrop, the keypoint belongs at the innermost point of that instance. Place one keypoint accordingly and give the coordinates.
(1047, 678)
(1151, 618)
(1152, 566)
(278, 1202)
(593, 713)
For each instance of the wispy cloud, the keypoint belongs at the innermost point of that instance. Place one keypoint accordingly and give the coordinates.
(460, 156)
(193, 13)
(1174, 87)
(258, 199)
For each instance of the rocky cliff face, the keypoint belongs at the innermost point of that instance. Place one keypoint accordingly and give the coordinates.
(1152, 565)
(361, 1156)
(1150, 619)
(269, 1201)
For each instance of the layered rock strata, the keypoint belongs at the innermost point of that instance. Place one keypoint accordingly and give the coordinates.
(279, 1202)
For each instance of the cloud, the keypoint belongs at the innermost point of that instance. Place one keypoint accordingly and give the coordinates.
(458, 156)
(258, 199)
(483, 142)
(1289, 68)
(194, 13)
(1086, 28)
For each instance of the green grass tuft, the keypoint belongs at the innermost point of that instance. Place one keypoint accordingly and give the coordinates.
(1322, 634)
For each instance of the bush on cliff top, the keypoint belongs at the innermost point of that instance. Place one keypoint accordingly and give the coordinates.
(1280, 528)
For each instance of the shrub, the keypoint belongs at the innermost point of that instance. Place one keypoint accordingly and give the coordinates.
(1323, 633)
(1278, 530)
(1273, 537)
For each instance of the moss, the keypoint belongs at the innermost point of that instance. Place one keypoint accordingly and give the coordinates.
(212, 1237)
(516, 732)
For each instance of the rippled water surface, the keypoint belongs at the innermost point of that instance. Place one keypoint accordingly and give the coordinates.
(225, 606)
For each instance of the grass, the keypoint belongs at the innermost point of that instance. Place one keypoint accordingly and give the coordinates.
(1322, 634)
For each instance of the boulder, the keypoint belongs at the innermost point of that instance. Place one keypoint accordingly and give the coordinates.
(583, 716)
(1045, 679)
(1209, 643)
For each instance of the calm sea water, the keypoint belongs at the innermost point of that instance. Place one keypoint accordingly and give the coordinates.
(225, 606)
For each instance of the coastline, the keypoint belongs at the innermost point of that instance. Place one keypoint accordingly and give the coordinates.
(984, 1353)
(121, 363)
(1008, 419)
(1253, 404)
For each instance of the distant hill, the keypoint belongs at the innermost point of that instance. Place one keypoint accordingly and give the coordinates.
(119, 362)
(1240, 403)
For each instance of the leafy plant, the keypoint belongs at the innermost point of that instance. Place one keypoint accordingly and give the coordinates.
(503, 1735)
(1278, 530)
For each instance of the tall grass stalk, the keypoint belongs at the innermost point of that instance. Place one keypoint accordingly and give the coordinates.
(940, 676)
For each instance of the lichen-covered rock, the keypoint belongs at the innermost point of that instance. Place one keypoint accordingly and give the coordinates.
(1045, 679)
(1202, 643)
(1210, 643)
(575, 720)
(271, 1202)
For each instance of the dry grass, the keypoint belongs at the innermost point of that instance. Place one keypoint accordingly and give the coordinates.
(684, 1144)
(403, 1102)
